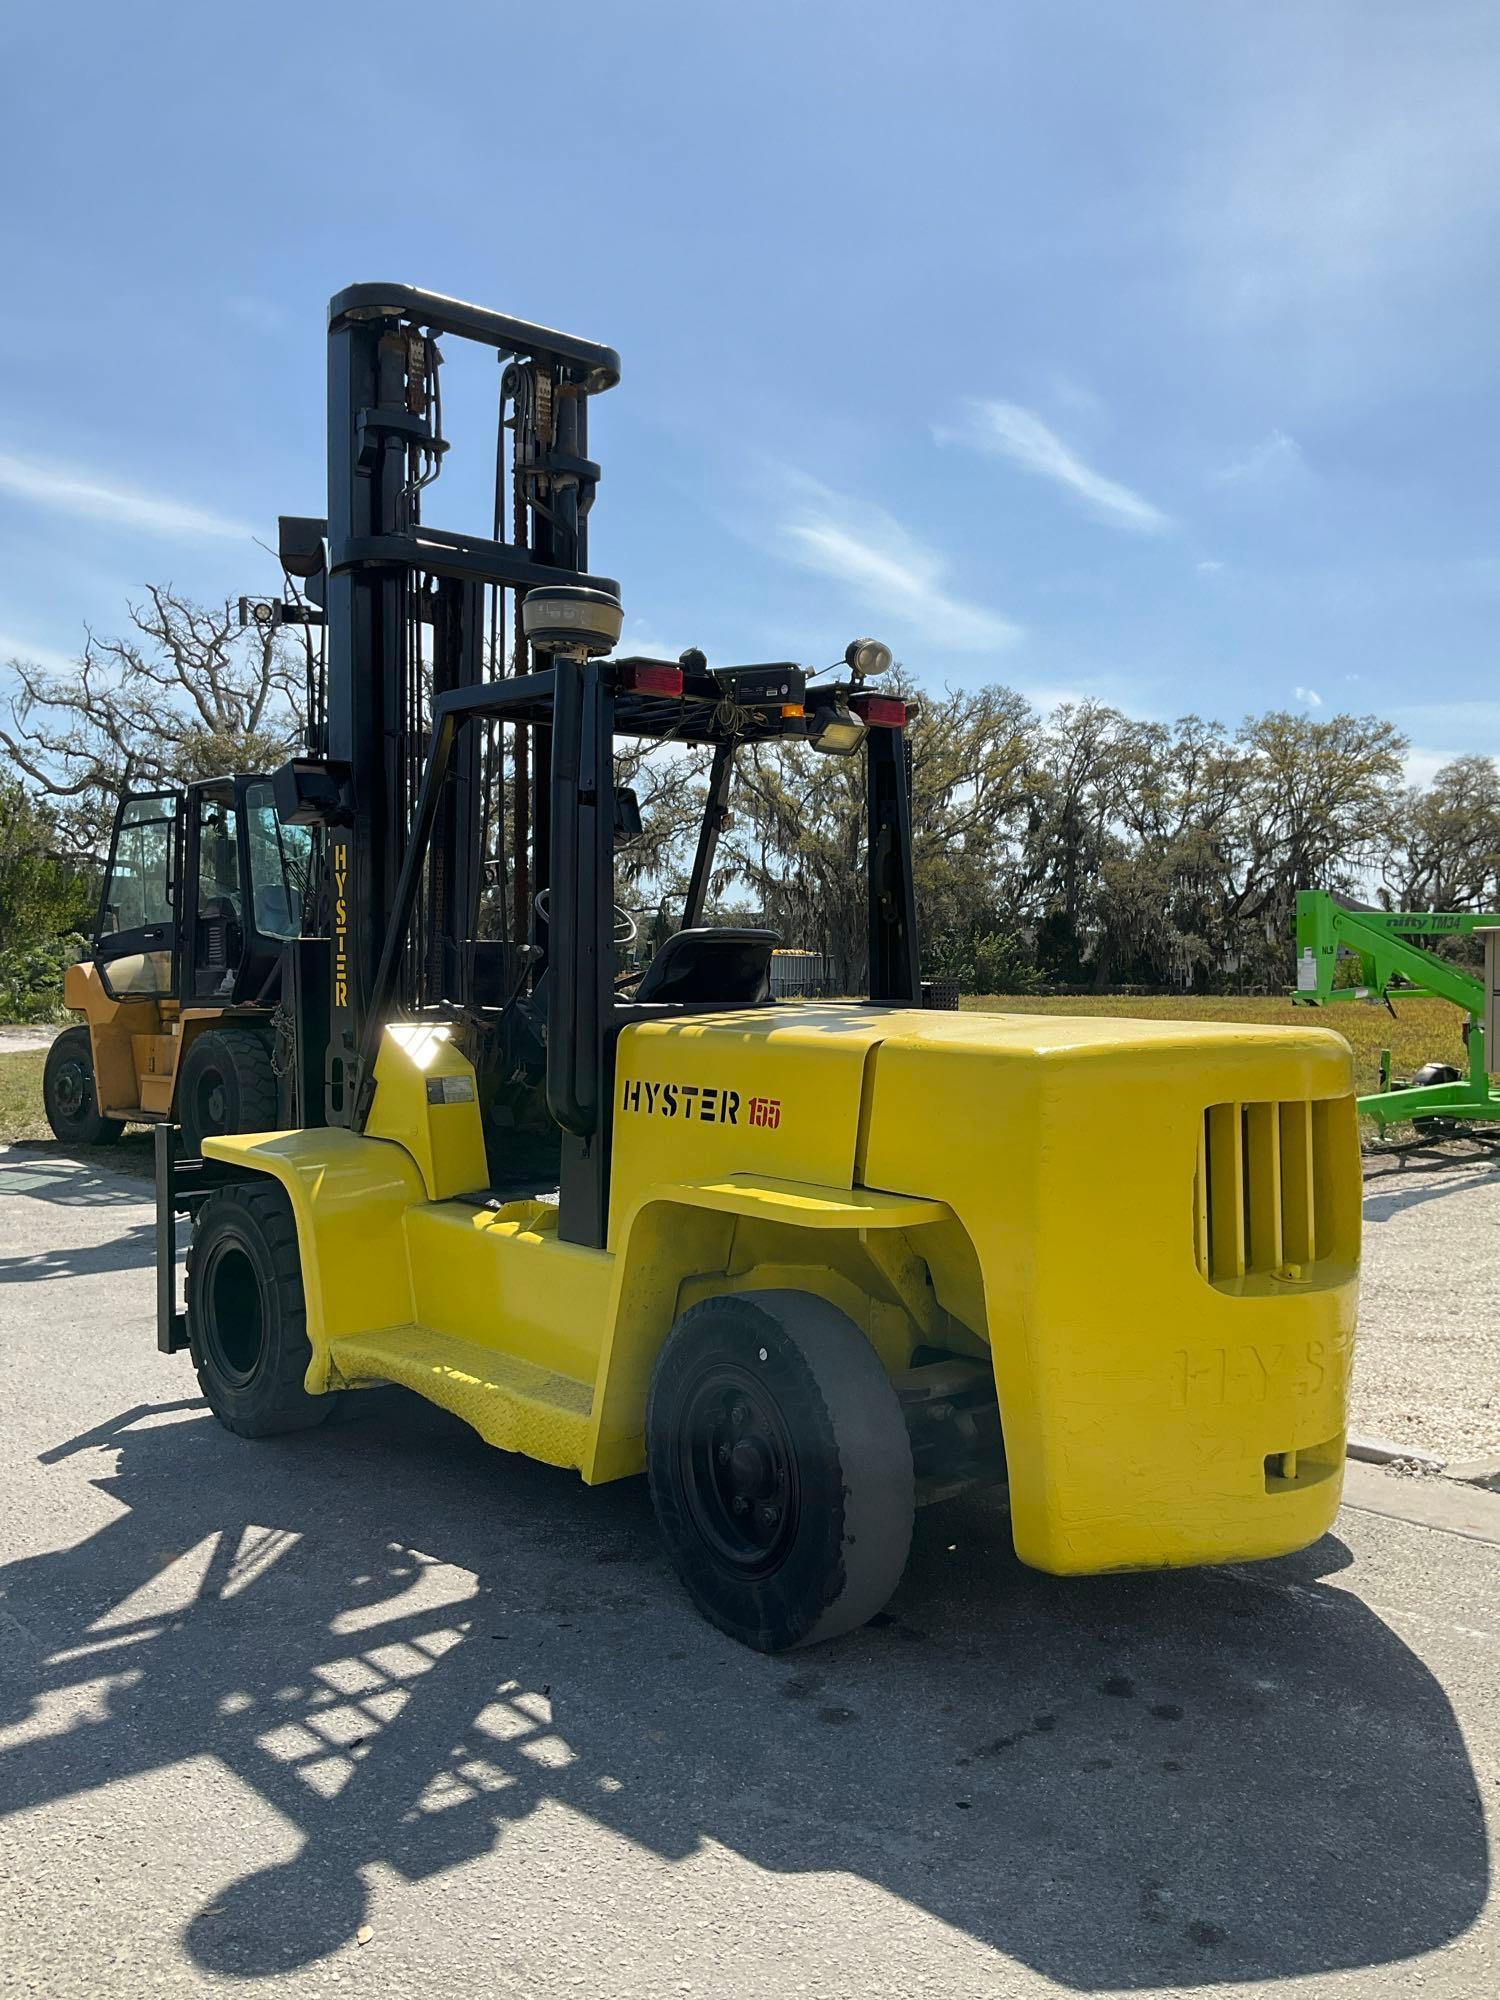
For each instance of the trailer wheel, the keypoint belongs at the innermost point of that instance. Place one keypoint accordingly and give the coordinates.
(247, 1318)
(227, 1085)
(780, 1468)
(1436, 1124)
(70, 1093)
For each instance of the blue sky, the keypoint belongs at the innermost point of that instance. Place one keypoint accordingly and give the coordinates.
(1138, 350)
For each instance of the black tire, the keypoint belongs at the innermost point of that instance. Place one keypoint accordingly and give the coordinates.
(247, 1319)
(1435, 1072)
(70, 1095)
(1435, 1122)
(227, 1085)
(776, 1399)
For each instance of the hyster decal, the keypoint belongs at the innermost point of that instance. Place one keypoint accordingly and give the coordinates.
(713, 1104)
(340, 924)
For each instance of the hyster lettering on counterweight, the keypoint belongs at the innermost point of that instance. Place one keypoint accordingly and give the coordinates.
(711, 1103)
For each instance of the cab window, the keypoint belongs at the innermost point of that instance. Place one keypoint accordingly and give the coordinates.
(138, 893)
(280, 863)
(219, 893)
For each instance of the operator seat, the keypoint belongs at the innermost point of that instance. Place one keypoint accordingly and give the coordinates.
(278, 911)
(710, 966)
(220, 946)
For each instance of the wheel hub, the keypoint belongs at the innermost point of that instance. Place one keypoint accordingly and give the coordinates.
(739, 1472)
(70, 1089)
(751, 1468)
(212, 1102)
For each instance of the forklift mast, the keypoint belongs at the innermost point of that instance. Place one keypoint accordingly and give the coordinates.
(406, 611)
(444, 649)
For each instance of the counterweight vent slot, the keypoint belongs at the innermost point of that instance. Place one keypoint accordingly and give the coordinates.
(1264, 1194)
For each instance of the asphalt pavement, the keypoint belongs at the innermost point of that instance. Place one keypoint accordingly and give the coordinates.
(378, 1710)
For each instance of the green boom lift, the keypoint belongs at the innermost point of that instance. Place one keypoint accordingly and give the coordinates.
(1392, 961)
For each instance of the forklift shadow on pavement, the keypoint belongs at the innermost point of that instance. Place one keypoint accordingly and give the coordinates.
(1169, 1779)
(77, 1176)
(134, 1249)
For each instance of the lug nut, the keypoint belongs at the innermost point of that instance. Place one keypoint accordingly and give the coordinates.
(769, 1516)
(739, 1503)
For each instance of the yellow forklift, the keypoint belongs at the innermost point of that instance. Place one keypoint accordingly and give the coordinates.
(807, 1266)
(204, 890)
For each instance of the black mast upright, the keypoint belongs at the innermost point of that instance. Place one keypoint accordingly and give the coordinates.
(389, 576)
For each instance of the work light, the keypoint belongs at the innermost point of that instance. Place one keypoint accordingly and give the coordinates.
(867, 656)
(837, 732)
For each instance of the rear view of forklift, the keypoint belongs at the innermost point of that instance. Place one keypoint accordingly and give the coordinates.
(204, 891)
(808, 1266)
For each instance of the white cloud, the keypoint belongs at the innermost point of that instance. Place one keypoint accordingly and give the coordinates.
(1273, 458)
(1046, 700)
(88, 498)
(1006, 430)
(1309, 697)
(1420, 767)
(56, 662)
(1210, 566)
(888, 569)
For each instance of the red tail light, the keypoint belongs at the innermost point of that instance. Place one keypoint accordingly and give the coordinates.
(647, 679)
(879, 711)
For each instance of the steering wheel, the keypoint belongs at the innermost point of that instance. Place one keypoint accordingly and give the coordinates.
(626, 929)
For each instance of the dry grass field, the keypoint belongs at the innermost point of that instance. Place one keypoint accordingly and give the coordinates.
(21, 1096)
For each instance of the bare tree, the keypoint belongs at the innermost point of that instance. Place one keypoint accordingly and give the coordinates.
(1444, 843)
(185, 695)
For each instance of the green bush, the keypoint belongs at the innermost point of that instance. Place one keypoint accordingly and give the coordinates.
(31, 977)
(984, 960)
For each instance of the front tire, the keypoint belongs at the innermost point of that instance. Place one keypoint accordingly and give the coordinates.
(227, 1085)
(780, 1468)
(70, 1093)
(246, 1314)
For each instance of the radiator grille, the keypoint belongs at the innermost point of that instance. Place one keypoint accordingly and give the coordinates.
(1265, 1199)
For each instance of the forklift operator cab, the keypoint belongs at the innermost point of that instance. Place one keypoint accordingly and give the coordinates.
(808, 1266)
(203, 893)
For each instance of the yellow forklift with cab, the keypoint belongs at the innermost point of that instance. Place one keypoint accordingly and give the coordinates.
(203, 892)
(807, 1266)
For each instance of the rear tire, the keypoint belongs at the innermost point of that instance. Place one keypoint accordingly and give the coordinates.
(70, 1093)
(246, 1314)
(780, 1468)
(227, 1085)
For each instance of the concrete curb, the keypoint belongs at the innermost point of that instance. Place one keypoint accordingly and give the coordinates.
(1425, 1503)
(1380, 1451)
(1475, 1471)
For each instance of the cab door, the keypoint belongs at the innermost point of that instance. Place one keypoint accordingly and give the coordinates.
(135, 937)
(213, 905)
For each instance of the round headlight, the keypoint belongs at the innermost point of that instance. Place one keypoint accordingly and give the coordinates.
(868, 656)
